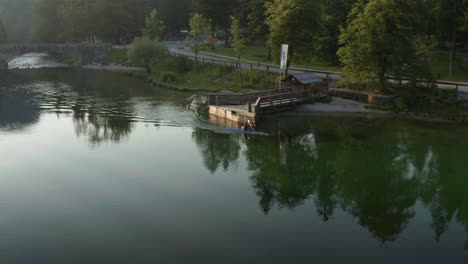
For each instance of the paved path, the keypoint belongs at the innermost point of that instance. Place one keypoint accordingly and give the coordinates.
(178, 47)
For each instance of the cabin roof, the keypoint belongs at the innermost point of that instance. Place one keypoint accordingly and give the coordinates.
(304, 78)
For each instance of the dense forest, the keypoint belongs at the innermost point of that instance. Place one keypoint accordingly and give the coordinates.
(385, 34)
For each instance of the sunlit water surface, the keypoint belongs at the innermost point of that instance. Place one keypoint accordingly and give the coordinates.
(96, 167)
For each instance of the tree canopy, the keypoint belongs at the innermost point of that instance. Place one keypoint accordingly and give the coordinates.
(379, 41)
(154, 26)
(144, 52)
(200, 27)
(292, 22)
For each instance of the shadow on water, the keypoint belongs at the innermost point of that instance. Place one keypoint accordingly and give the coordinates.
(379, 172)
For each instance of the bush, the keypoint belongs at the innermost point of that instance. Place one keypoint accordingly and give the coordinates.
(378, 107)
(183, 65)
(325, 100)
(168, 77)
(145, 52)
(400, 104)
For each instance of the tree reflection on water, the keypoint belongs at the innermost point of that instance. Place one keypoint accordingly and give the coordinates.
(378, 172)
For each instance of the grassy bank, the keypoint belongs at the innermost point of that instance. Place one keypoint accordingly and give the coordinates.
(183, 74)
(116, 56)
(440, 65)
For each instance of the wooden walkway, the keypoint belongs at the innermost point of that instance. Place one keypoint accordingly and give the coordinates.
(268, 101)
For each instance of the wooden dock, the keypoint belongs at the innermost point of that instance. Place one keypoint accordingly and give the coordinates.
(240, 108)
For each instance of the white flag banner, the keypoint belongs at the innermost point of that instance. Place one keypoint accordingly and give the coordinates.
(284, 55)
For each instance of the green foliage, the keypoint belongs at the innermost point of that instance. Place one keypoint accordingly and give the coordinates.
(168, 77)
(379, 42)
(145, 52)
(218, 11)
(238, 43)
(200, 27)
(181, 64)
(292, 22)
(48, 23)
(3, 33)
(334, 15)
(174, 13)
(116, 56)
(325, 100)
(88, 20)
(379, 107)
(154, 26)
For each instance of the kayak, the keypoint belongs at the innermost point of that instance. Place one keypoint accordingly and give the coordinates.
(248, 132)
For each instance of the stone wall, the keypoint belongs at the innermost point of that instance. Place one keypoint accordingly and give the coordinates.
(87, 53)
(364, 97)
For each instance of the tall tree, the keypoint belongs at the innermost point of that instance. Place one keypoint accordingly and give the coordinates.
(238, 44)
(145, 52)
(380, 42)
(120, 21)
(3, 33)
(219, 11)
(154, 26)
(174, 13)
(79, 20)
(47, 21)
(200, 27)
(256, 27)
(292, 22)
(334, 15)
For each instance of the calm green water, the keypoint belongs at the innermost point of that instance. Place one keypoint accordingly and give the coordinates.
(99, 168)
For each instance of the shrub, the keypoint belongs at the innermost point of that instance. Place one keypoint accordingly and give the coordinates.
(183, 65)
(168, 77)
(145, 52)
(378, 107)
(325, 100)
(401, 104)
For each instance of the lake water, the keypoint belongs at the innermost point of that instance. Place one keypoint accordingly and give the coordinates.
(96, 167)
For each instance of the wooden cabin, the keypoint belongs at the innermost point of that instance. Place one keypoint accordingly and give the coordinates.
(303, 82)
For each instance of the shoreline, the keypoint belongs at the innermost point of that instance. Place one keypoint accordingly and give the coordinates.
(338, 106)
(110, 67)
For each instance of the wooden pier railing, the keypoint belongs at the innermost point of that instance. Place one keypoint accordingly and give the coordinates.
(272, 103)
(241, 99)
